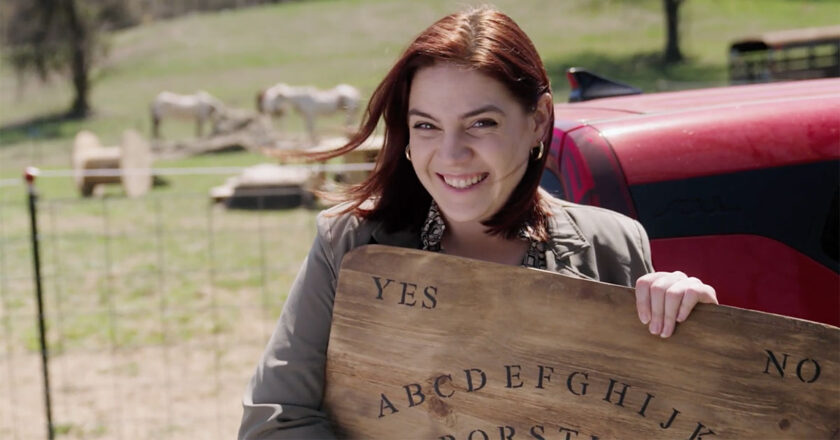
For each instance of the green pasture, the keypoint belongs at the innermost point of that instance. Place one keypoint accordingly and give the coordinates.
(164, 269)
(235, 53)
(232, 55)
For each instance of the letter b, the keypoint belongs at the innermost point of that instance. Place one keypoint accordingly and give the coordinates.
(411, 394)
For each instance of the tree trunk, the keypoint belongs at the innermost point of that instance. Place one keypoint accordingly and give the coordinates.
(80, 62)
(672, 42)
(47, 9)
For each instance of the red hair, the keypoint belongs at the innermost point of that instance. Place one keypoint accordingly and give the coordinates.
(484, 40)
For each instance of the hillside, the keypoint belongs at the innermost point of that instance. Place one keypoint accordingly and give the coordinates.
(233, 54)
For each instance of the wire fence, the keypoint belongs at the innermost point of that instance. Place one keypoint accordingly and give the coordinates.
(156, 312)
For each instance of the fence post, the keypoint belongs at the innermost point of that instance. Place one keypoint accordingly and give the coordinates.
(29, 175)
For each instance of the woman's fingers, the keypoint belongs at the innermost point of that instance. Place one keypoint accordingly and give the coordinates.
(697, 292)
(658, 293)
(650, 297)
(665, 298)
(643, 295)
(680, 298)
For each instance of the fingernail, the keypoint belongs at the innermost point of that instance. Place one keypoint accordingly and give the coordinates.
(645, 319)
(654, 329)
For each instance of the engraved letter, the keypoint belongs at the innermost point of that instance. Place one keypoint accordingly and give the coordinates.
(430, 292)
(547, 377)
(667, 424)
(406, 292)
(385, 403)
(438, 380)
(771, 357)
(583, 384)
(417, 392)
(697, 435)
(483, 435)
(447, 437)
(510, 376)
(470, 387)
(816, 370)
(537, 435)
(506, 432)
(379, 285)
(644, 405)
(569, 432)
(621, 393)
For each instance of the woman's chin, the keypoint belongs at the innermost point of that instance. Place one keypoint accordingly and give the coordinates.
(459, 214)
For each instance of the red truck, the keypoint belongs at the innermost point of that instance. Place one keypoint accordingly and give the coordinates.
(735, 185)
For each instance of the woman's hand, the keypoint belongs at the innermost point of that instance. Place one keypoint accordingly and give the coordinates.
(665, 298)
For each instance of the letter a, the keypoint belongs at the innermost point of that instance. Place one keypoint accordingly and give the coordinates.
(385, 403)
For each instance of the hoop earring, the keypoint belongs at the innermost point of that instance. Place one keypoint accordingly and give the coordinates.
(408, 152)
(539, 150)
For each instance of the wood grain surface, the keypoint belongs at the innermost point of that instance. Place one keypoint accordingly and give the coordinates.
(432, 346)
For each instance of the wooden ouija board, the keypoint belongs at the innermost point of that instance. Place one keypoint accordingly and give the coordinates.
(431, 346)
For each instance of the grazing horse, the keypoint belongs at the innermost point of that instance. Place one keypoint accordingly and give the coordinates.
(310, 102)
(200, 106)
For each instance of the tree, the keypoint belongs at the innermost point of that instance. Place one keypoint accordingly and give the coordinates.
(64, 36)
(672, 41)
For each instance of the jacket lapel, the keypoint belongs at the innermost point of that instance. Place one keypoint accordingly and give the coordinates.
(566, 240)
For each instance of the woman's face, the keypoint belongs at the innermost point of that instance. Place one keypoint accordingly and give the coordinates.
(470, 139)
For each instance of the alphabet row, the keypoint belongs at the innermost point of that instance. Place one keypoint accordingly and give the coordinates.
(507, 432)
(540, 432)
(577, 383)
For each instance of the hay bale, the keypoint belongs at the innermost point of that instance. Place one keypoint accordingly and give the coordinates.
(267, 186)
(133, 158)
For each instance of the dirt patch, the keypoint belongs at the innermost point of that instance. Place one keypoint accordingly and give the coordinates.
(187, 391)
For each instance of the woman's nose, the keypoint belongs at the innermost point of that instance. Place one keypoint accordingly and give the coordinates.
(454, 148)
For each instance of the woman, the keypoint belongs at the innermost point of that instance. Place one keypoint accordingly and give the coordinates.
(468, 113)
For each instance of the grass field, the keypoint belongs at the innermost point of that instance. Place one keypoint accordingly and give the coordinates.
(130, 282)
(233, 54)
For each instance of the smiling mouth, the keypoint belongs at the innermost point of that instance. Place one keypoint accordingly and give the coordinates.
(463, 182)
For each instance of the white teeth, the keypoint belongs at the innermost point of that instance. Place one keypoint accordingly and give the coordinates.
(461, 183)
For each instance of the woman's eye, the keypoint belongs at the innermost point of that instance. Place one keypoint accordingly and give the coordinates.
(484, 123)
(423, 126)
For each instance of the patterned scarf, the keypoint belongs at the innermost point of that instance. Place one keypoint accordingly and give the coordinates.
(432, 233)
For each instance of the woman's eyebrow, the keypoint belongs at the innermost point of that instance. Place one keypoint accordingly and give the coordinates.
(478, 111)
(416, 112)
(482, 109)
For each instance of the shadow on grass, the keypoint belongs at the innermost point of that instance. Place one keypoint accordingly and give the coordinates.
(644, 70)
(39, 127)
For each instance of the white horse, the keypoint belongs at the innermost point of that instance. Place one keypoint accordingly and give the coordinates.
(310, 102)
(200, 106)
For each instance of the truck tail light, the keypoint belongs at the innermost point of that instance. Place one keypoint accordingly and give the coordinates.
(590, 173)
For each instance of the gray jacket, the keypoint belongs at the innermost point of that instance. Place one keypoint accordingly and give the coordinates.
(283, 399)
